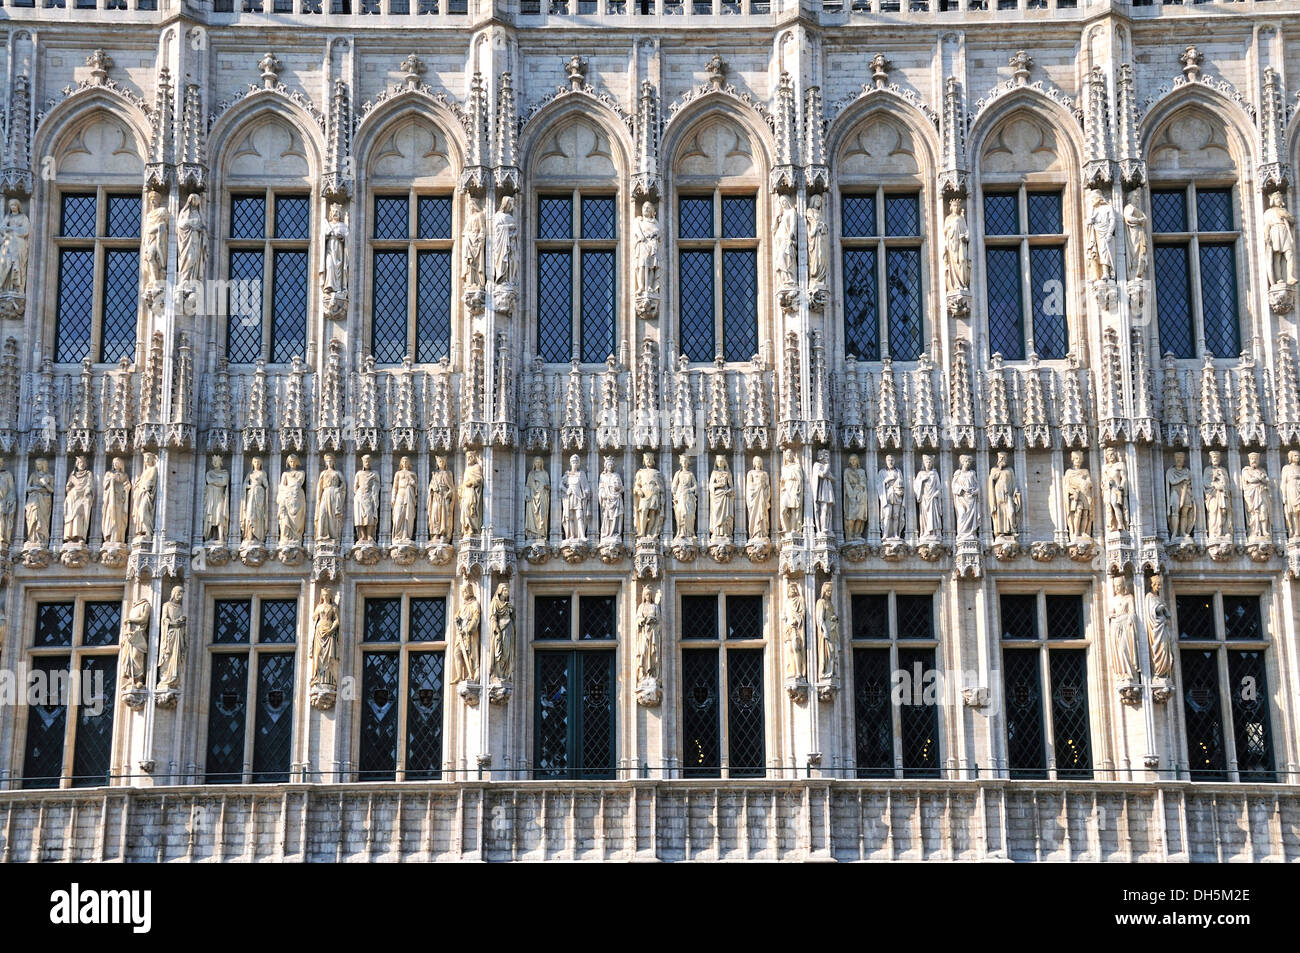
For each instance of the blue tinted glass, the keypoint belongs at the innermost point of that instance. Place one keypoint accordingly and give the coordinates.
(244, 308)
(902, 215)
(123, 216)
(382, 620)
(1169, 211)
(78, 216)
(1047, 296)
(288, 305)
(554, 306)
(598, 217)
(1214, 210)
(861, 304)
(293, 216)
(1174, 301)
(432, 306)
(903, 274)
(599, 304)
(388, 315)
(696, 275)
(279, 621)
(1044, 213)
(1005, 310)
(739, 304)
(859, 216)
(428, 620)
(1219, 300)
(695, 217)
(121, 286)
(738, 216)
(76, 298)
(390, 217)
(1000, 214)
(433, 216)
(555, 216)
(247, 216)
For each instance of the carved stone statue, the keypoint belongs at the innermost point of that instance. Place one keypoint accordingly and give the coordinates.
(648, 492)
(8, 506)
(501, 622)
(15, 236)
(1114, 477)
(291, 503)
(505, 232)
(1159, 634)
(78, 501)
(134, 653)
(824, 491)
(471, 496)
(405, 506)
(254, 522)
(791, 493)
(330, 491)
(442, 501)
(818, 243)
(116, 502)
(537, 509)
(473, 241)
(855, 499)
(890, 489)
(576, 500)
(1279, 239)
(722, 500)
(1135, 227)
(334, 265)
(645, 251)
(216, 500)
(1291, 494)
(153, 242)
(965, 499)
(1078, 498)
(792, 634)
(927, 487)
(365, 501)
(465, 637)
(191, 247)
(956, 247)
(758, 501)
(1004, 499)
(686, 498)
(145, 495)
(1100, 228)
(1122, 629)
(37, 505)
(172, 644)
(649, 625)
(785, 245)
(828, 635)
(1180, 502)
(1218, 505)
(1255, 495)
(325, 643)
(610, 490)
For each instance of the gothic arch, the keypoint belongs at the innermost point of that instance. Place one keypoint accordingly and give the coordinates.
(81, 109)
(543, 128)
(712, 106)
(890, 107)
(1034, 105)
(1238, 127)
(382, 118)
(243, 117)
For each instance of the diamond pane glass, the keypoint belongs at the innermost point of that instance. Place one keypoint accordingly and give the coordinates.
(596, 715)
(54, 624)
(433, 216)
(699, 617)
(432, 306)
(903, 280)
(744, 617)
(389, 313)
(1064, 617)
(1071, 739)
(739, 304)
(1006, 313)
(902, 215)
(232, 621)
(293, 217)
(738, 216)
(918, 716)
(1241, 619)
(555, 306)
(598, 220)
(1169, 211)
(1214, 210)
(554, 216)
(695, 217)
(1203, 714)
(391, 213)
(1047, 287)
(288, 305)
(379, 697)
(701, 742)
(244, 310)
(870, 615)
(696, 270)
(551, 752)
(424, 715)
(861, 304)
(915, 616)
(1251, 727)
(599, 305)
(382, 620)
(1044, 210)
(745, 741)
(1219, 300)
(428, 620)
(273, 727)
(1019, 616)
(1195, 618)
(859, 216)
(43, 759)
(103, 622)
(1024, 699)
(76, 299)
(552, 617)
(1001, 215)
(247, 216)
(77, 216)
(873, 722)
(124, 216)
(596, 618)
(1174, 301)
(227, 716)
(121, 289)
(279, 622)
(92, 750)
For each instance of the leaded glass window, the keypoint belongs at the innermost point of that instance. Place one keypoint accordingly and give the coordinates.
(896, 685)
(1024, 274)
(1045, 685)
(880, 236)
(410, 278)
(73, 665)
(98, 281)
(1194, 230)
(722, 697)
(1224, 687)
(403, 647)
(251, 690)
(574, 638)
(717, 264)
(270, 277)
(577, 281)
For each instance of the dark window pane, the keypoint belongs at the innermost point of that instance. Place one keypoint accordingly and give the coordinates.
(551, 746)
(432, 306)
(1064, 617)
(1044, 213)
(293, 216)
(697, 304)
(873, 722)
(279, 621)
(699, 617)
(1019, 616)
(391, 213)
(388, 316)
(1169, 211)
(1214, 210)
(1071, 732)
(76, 298)
(428, 620)
(598, 219)
(1173, 301)
(288, 306)
(103, 622)
(599, 305)
(1203, 714)
(695, 217)
(227, 716)
(745, 742)
(596, 715)
(1006, 335)
(244, 308)
(379, 696)
(744, 617)
(93, 747)
(1248, 683)
(46, 723)
(919, 715)
(1219, 300)
(701, 744)
(424, 715)
(596, 617)
(382, 620)
(232, 621)
(77, 218)
(1195, 618)
(273, 727)
(123, 216)
(739, 304)
(121, 288)
(738, 216)
(554, 306)
(861, 304)
(915, 616)
(903, 277)
(248, 216)
(870, 615)
(1241, 618)
(1000, 214)
(433, 216)
(902, 215)
(555, 216)
(552, 617)
(1047, 287)
(859, 216)
(1024, 700)
(54, 624)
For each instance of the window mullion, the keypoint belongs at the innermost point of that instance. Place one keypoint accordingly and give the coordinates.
(1194, 269)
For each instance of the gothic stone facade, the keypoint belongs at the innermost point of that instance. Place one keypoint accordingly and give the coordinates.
(441, 344)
